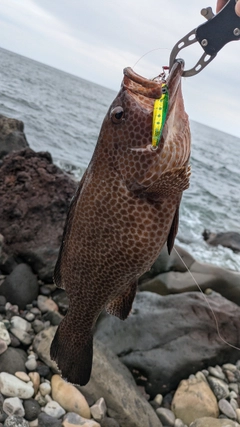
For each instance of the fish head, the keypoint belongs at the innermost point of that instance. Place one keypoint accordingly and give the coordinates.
(125, 140)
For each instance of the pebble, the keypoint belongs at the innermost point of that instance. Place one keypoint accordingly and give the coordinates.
(45, 420)
(33, 423)
(166, 416)
(69, 397)
(31, 363)
(22, 376)
(3, 346)
(178, 423)
(13, 406)
(71, 419)
(14, 421)
(11, 386)
(35, 378)
(54, 409)
(24, 337)
(194, 399)
(109, 422)
(45, 388)
(38, 326)
(234, 403)
(238, 414)
(4, 335)
(20, 323)
(229, 367)
(99, 409)
(217, 372)
(30, 317)
(219, 387)
(46, 304)
(158, 399)
(227, 409)
(32, 409)
(234, 387)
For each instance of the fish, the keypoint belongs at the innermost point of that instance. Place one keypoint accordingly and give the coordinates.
(125, 209)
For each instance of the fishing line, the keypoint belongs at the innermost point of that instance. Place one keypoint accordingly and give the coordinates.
(150, 51)
(214, 316)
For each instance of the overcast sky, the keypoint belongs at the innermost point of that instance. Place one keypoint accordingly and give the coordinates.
(96, 39)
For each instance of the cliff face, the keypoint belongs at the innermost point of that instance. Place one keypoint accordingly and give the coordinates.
(34, 199)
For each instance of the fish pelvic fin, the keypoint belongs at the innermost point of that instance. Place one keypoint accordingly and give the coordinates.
(122, 304)
(73, 352)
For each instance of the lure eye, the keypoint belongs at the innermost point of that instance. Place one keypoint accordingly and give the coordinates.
(164, 90)
(117, 114)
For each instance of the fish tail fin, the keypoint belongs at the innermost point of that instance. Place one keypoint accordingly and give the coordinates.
(73, 352)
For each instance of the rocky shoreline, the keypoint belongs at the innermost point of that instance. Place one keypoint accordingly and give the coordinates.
(164, 366)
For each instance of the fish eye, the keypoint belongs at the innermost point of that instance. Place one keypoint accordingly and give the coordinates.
(117, 114)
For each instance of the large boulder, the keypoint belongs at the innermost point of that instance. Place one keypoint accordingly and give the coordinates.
(165, 339)
(111, 380)
(20, 287)
(228, 239)
(221, 280)
(12, 136)
(34, 199)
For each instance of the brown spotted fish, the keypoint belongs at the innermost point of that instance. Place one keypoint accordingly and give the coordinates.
(125, 209)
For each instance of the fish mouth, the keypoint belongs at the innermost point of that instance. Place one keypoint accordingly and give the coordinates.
(174, 77)
(153, 88)
(140, 85)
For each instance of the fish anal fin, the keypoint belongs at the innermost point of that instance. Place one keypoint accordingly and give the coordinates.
(170, 183)
(57, 276)
(122, 304)
(73, 352)
(173, 231)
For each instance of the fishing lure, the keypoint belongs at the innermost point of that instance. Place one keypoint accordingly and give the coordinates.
(160, 110)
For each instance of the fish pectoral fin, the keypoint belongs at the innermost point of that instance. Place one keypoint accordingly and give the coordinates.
(170, 183)
(72, 350)
(122, 304)
(173, 231)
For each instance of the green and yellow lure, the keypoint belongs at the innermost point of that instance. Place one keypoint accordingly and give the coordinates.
(160, 110)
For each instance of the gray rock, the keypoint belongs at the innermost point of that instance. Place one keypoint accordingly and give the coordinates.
(12, 136)
(45, 420)
(226, 282)
(109, 422)
(13, 406)
(112, 381)
(166, 416)
(229, 239)
(219, 387)
(168, 338)
(13, 360)
(32, 409)
(213, 422)
(217, 372)
(20, 287)
(41, 346)
(226, 408)
(14, 421)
